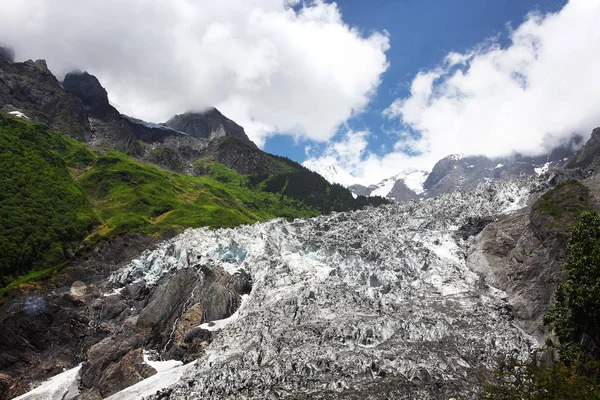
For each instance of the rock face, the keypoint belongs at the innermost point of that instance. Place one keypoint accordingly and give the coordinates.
(83, 319)
(587, 159)
(401, 193)
(87, 88)
(465, 173)
(30, 88)
(374, 304)
(524, 254)
(209, 124)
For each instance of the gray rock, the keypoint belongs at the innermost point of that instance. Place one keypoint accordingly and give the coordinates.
(87, 88)
(209, 124)
(401, 193)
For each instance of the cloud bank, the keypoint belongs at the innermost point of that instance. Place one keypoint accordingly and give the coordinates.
(527, 97)
(269, 66)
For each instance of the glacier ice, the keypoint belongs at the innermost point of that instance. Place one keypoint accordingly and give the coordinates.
(350, 300)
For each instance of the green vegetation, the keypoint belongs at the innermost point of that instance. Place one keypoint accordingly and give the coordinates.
(130, 196)
(56, 195)
(575, 320)
(44, 213)
(576, 316)
(312, 189)
(567, 199)
(556, 212)
(539, 380)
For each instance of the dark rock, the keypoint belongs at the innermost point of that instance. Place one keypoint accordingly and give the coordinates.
(587, 158)
(361, 190)
(167, 300)
(31, 88)
(88, 88)
(5, 385)
(242, 282)
(401, 193)
(113, 307)
(209, 124)
(135, 291)
(114, 366)
(198, 333)
(473, 226)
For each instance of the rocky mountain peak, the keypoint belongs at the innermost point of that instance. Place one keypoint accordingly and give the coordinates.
(88, 88)
(209, 124)
(586, 158)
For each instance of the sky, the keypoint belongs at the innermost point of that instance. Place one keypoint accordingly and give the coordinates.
(374, 88)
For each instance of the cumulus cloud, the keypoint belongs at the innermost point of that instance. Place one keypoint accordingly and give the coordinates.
(270, 66)
(526, 97)
(348, 161)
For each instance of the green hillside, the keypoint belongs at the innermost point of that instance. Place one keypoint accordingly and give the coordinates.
(44, 213)
(58, 196)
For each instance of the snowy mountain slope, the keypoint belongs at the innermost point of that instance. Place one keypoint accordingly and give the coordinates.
(330, 170)
(374, 301)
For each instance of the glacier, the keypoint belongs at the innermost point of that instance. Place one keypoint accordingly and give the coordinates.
(375, 303)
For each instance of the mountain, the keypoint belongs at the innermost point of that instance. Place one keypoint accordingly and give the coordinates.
(453, 172)
(123, 175)
(332, 171)
(398, 301)
(209, 124)
(30, 88)
(405, 186)
(457, 172)
(268, 294)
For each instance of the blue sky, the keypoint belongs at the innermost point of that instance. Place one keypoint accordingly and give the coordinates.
(422, 33)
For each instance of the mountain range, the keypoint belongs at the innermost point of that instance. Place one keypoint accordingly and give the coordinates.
(453, 172)
(177, 260)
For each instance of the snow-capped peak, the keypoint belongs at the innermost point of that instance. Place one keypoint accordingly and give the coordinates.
(331, 170)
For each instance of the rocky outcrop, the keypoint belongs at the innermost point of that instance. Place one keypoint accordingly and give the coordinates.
(30, 88)
(87, 88)
(109, 329)
(209, 124)
(524, 254)
(114, 364)
(455, 172)
(587, 158)
(401, 193)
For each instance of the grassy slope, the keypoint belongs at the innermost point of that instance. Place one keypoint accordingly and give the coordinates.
(44, 212)
(55, 194)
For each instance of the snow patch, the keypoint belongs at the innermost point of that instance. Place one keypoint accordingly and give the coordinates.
(385, 187)
(543, 169)
(161, 366)
(331, 170)
(222, 323)
(63, 386)
(415, 180)
(18, 114)
(153, 384)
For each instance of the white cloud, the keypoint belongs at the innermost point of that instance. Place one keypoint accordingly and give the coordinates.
(348, 161)
(270, 67)
(526, 97)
